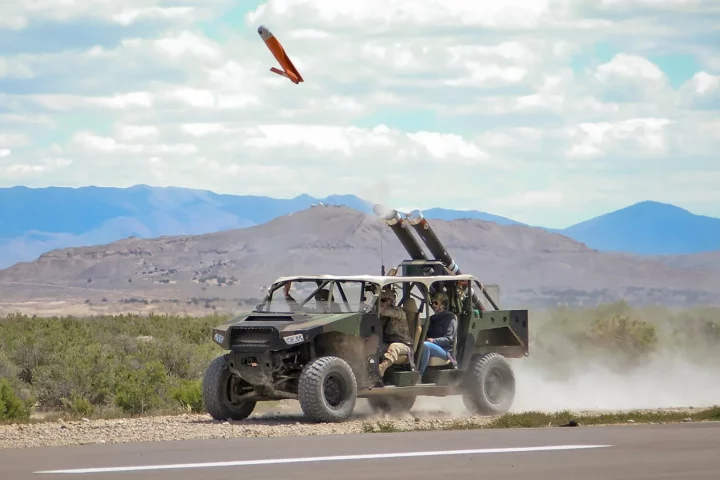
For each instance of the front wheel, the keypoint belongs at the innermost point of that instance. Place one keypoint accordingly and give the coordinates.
(217, 394)
(327, 390)
(489, 385)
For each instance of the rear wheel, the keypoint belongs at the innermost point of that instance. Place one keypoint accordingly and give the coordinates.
(489, 385)
(327, 390)
(217, 394)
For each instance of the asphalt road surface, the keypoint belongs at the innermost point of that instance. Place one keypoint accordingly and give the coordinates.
(669, 452)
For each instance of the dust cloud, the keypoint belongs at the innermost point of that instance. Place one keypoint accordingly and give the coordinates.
(665, 381)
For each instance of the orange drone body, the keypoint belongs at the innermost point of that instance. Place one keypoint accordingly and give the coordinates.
(288, 69)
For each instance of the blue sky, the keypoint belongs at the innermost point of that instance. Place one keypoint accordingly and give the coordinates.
(545, 114)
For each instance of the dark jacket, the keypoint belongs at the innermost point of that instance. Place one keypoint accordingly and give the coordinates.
(443, 328)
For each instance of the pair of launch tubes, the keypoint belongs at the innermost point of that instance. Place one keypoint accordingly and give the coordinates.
(428, 236)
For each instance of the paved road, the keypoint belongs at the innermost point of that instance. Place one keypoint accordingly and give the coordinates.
(669, 452)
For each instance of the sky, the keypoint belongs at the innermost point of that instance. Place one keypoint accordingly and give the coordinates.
(545, 111)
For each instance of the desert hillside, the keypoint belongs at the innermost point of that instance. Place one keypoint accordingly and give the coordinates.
(532, 265)
(34, 221)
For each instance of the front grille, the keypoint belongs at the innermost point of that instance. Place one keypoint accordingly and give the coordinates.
(253, 336)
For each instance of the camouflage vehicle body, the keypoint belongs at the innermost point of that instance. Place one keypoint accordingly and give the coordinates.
(324, 359)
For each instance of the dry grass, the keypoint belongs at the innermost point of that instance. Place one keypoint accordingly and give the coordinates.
(566, 418)
(559, 419)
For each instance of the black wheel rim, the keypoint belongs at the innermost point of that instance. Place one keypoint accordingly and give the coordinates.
(229, 385)
(334, 390)
(494, 386)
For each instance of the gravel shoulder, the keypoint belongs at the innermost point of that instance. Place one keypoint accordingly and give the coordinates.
(188, 427)
(285, 420)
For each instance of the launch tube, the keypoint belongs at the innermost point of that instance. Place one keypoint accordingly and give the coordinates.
(398, 225)
(437, 249)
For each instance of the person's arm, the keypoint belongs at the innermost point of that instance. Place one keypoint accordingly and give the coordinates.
(391, 312)
(446, 341)
(292, 303)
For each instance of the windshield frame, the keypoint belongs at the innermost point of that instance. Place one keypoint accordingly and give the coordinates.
(368, 288)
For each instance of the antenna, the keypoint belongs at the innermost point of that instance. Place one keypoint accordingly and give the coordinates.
(382, 256)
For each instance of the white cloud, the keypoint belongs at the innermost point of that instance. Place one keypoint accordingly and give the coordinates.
(13, 139)
(14, 68)
(448, 147)
(697, 6)
(704, 83)
(435, 13)
(638, 136)
(182, 45)
(17, 15)
(626, 67)
(487, 104)
(136, 132)
(702, 91)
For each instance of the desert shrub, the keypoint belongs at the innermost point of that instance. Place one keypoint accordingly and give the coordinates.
(78, 405)
(11, 406)
(7, 368)
(621, 337)
(188, 393)
(85, 365)
(181, 359)
(143, 364)
(140, 390)
(85, 371)
(620, 333)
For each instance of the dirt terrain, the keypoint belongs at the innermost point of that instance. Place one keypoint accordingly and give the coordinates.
(229, 270)
(277, 419)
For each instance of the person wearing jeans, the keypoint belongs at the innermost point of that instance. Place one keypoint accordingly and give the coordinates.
(440, 334)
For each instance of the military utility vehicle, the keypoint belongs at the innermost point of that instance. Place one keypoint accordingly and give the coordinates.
(318, 339)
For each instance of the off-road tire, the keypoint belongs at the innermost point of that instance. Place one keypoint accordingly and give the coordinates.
(392, 403)
(216, 391)
(327, 390)
(489, 385)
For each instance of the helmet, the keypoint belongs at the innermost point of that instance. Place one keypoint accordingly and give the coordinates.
(388, 293)
(322, 295)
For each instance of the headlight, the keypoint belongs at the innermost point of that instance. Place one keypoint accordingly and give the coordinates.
(293, 339)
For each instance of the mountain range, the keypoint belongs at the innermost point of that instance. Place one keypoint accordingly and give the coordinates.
(34, 221)
(224, 269)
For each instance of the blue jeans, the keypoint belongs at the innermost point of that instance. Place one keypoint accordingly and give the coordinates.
(430, 350)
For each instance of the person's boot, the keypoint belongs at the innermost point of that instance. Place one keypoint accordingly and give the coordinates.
(384, 365)
(375, 378)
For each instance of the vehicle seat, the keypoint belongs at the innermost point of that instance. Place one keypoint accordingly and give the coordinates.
(439, 362)
(414, 326)
(413, 319)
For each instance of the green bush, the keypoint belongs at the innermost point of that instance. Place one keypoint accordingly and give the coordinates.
(141, 364)
(189, 395)
(620, 333)
(86, 371)
(78, 405)
(12, 407)
(141, 390)
(145, 364)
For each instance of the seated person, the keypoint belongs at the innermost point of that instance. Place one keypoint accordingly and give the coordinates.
(397, 340)
(440, 334)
